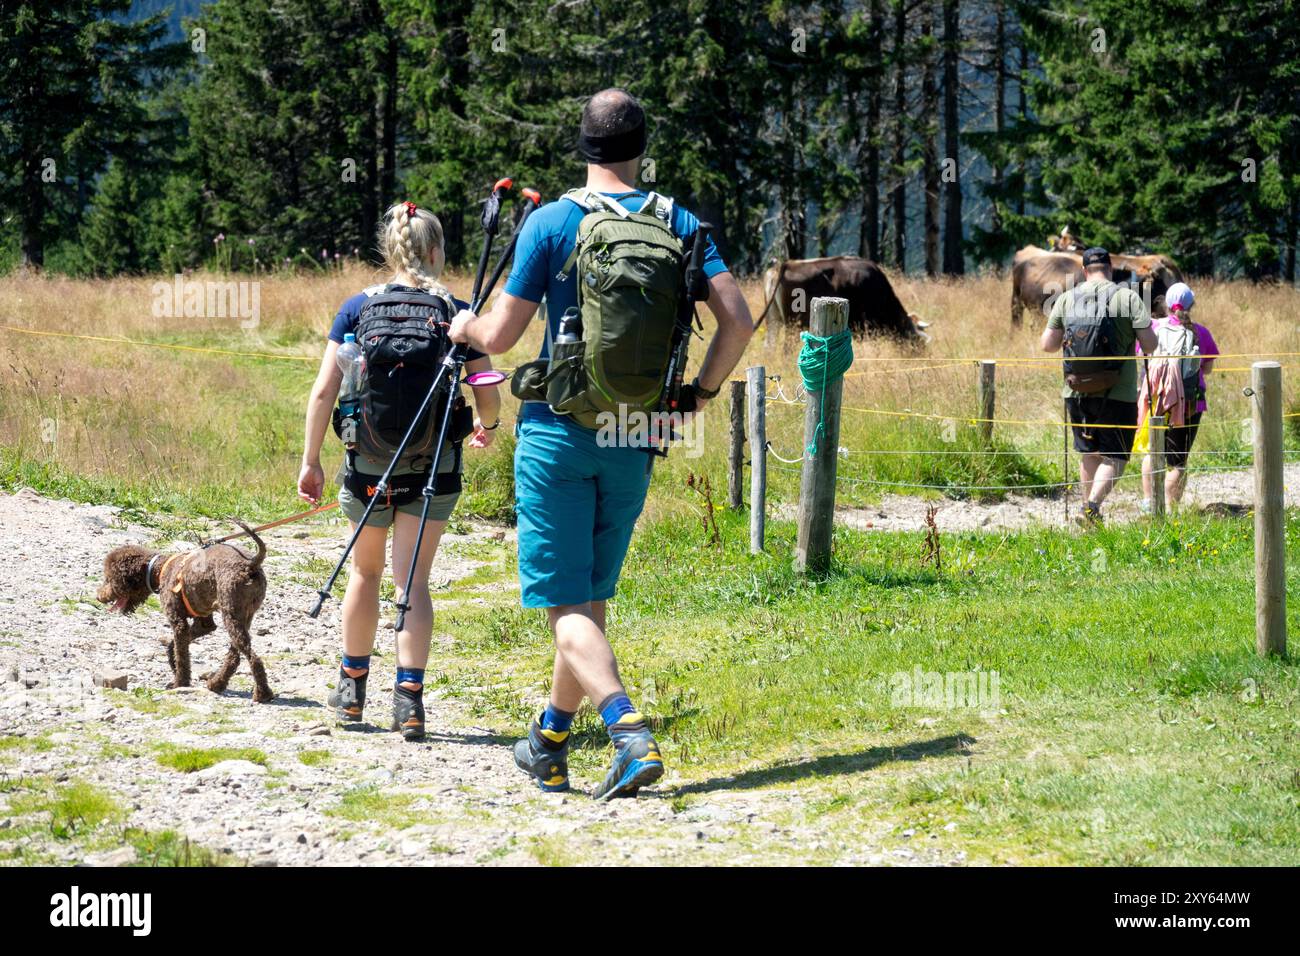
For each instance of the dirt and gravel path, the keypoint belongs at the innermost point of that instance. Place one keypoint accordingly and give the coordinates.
(326, 795)
(1224, 492)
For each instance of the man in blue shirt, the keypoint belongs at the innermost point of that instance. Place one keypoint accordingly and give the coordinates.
(577, 498)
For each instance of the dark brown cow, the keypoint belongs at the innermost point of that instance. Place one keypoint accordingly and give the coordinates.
(1038, 277)
(790, 287)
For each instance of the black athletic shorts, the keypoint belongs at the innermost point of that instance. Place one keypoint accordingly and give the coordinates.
(1178, 442)
(1091, 410)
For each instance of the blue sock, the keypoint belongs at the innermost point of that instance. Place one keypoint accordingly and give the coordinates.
(555, 719)
(554, 725)
(356, 663)
(620, 716)
(413, 675)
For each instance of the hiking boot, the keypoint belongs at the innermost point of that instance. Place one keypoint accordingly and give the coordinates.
(348, 698)
(1090, 517)
(636, 764)
(408, 712)
(544, 759)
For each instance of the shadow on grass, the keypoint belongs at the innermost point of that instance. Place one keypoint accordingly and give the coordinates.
(832, 765)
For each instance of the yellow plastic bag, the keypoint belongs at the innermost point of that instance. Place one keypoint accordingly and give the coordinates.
(1142, 438)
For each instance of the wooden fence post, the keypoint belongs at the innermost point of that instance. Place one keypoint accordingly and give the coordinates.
(987, 397)
(736, 454)
(756, 382)
(817, 485)
(1156, 453)
(1270, 516)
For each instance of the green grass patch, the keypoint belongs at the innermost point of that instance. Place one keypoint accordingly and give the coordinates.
(551, 851)
(145, 701)
(191, 759)
(37, 744)
(168, 848)
(370, 804)
(314, 758)
(74, 810)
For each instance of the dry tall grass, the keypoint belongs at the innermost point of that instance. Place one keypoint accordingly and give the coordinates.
(190, 427)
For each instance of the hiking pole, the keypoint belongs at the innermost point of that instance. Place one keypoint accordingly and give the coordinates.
(452, 365)
(534, 199)
(697, 290)
(491, 215)
(381, 489)
(491, 220)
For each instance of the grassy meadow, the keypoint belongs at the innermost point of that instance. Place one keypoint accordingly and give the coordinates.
(194, 432)
(1132, 722)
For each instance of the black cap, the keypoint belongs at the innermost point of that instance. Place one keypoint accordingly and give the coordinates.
(1096, 256)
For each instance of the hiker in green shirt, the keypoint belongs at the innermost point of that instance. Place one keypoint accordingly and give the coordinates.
(1097, 324)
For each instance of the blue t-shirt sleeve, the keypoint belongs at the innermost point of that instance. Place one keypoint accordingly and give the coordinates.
(685, 224)
(346, 320)
(531, 268)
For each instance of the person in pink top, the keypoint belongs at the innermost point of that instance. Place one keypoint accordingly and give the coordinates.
(1179, 301)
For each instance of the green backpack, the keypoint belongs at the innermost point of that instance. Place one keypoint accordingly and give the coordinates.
(631, 286)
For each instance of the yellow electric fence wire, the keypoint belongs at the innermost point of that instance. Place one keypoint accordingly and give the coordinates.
(162, 345)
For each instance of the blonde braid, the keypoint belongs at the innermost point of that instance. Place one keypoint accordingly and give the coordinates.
(408, 241)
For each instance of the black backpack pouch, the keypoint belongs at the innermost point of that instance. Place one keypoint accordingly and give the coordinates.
(528, 383)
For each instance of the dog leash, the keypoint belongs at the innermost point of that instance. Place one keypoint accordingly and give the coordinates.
(276, 524)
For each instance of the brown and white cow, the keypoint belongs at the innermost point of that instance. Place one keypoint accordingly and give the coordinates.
(1040, 276)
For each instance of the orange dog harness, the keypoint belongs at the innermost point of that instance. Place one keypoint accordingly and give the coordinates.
(179, 586)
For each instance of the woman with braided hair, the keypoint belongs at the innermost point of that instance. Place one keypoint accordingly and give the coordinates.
(411, 242)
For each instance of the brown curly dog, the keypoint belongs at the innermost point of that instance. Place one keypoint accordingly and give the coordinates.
(192, 586)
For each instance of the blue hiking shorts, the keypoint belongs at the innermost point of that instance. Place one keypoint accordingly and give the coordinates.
(577, 504)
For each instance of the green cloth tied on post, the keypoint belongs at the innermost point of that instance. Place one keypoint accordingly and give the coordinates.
(822, 360)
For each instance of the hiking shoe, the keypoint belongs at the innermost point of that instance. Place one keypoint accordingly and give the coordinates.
(408, 712)
(636, 764)
(543, 758)
(348, 698)
(1090, 517)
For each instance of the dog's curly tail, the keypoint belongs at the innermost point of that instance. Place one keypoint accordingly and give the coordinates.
(261, 547)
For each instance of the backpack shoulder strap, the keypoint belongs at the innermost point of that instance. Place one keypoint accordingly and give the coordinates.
(588, 200)
(660, 206)
(449, 303)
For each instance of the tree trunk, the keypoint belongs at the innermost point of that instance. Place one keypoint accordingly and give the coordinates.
(793, 231)
(1023, 119)
(899, 158)
(1292, 221)
(869, 149)
(930, 139)
(999, 66)
(455, 78)
(31, 239)
(388, 131)
(954, 262)
(1293, 235)
(388, 176)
